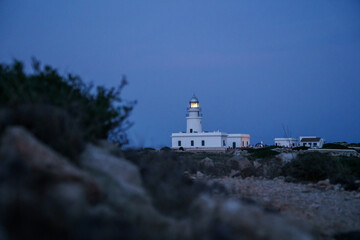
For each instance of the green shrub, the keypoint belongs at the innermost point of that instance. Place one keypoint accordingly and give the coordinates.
(300, 148)
(101, 113)
(165, 149)
(149, 149)
(265, 152)
(334, 146)
(316, 166)
(354, 145)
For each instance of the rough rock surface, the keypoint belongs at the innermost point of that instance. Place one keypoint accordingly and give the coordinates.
(287, 156)
(207, 162)
(328, 209)
(45, 196)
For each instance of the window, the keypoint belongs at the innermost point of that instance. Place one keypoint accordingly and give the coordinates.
(315, 144)
(242, 143)
(304, 144)
(192, 142)
(190, 130)
(179, 143)
(234, 145)
(247, 143)
(202, 142)
(224, 143)
(293, 144)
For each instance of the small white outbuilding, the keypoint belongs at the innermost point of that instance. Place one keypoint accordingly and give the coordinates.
(286, 142)
(312, 141)
(194, 138)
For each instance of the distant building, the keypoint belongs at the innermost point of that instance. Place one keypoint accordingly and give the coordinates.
(286, 142)
(311, 141)
(194, 138)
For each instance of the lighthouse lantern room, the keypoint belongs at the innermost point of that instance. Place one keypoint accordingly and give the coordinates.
(193, 117)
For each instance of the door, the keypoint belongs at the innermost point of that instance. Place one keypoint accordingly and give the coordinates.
(234, 145)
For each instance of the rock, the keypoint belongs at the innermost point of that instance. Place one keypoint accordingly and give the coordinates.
(121, 181)
(99, 160)
(337, 187)
(239, 163)
(278, 150)
(257, 164)
(18, 146)
(188, 177)
(199, 175)
(315, 205)
(243, 221)
(43, 193)
(241, 153)
(280, 178)
(324, 183)
(109, 147)
(286, 157)
(234, 162)
(235, 173)
(289, 179)
(207, 162)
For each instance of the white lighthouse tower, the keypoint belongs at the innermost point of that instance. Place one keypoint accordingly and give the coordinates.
(194, 139)
(193, 117)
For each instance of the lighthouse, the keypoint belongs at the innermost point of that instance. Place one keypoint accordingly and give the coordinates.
(195, 139)
(193, 117)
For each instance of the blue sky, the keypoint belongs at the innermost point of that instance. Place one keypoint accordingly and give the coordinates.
(254, 65)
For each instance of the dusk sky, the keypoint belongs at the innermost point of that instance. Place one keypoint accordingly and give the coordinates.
(254, 65)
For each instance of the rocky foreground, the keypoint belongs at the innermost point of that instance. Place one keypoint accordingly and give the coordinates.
(98, 195)
(326, 208)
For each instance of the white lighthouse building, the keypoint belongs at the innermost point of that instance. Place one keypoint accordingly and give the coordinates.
(196, 139)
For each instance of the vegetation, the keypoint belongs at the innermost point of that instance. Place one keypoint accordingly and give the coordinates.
(354, 145)
(334, 146)
(266, 152)
(301, 148)
(99, 113)
(319, 166)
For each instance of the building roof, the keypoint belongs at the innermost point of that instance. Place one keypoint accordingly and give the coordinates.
(310, 139)
(285, 139)
(194, 99)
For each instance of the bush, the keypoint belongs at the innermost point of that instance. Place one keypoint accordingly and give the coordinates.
(354, 145)
(101, 115)
(165, 149)
(149, 149)
(265, 152)
(300, 148)
(319, 166)
(334, 146)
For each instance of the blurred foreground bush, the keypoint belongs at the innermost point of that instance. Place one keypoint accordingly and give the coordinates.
(101, 114)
